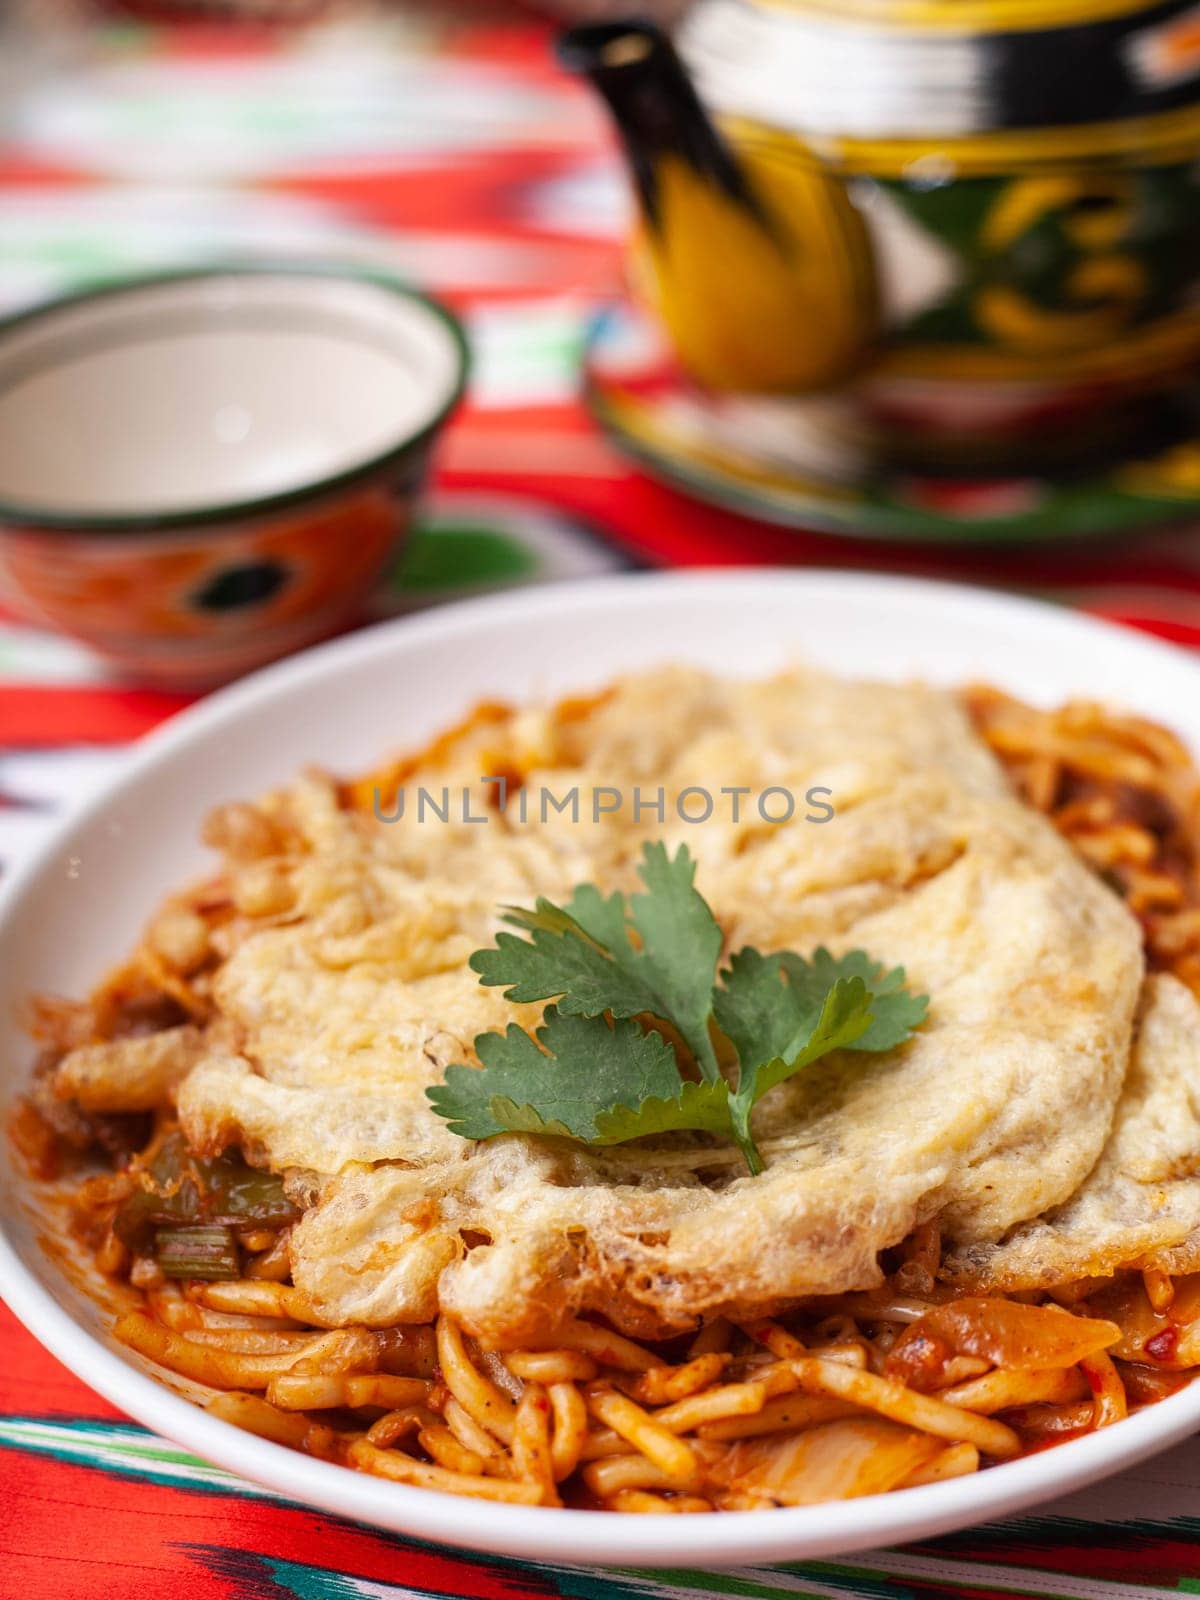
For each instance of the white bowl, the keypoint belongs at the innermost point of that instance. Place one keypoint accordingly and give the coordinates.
(75, 909)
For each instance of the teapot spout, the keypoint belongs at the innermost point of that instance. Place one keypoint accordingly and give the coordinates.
(657, 111)
(755, 260)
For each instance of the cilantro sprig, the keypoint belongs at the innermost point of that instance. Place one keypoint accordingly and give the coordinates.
(596, 1074)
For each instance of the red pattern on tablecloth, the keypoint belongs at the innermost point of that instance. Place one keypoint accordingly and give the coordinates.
(519, 227)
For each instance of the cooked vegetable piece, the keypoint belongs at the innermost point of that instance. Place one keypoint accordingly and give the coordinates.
(1004, 1332)
(197, 1253)
(834, 1461)
(177, 1190)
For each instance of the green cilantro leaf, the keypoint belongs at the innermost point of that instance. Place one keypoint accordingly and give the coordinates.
(896, 1011)
(761, 1009)
(844, 1018)
(562, 961)
(588, 1078)
(697, 1107)
(578, 1069)
(581, 954)
(782, 1013)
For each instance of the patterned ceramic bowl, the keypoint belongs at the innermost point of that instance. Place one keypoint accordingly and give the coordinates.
(203, 471)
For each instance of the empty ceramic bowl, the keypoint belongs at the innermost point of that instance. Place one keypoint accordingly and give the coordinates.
(203, 471)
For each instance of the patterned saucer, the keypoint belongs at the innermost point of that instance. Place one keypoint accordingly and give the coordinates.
(797, 462)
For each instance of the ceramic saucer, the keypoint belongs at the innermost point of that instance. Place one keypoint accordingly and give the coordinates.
(796, 462)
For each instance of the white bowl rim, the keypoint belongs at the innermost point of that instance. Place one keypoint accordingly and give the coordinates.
(41, 519)
(550, 1535)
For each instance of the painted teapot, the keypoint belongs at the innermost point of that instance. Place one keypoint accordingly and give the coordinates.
(978, 218)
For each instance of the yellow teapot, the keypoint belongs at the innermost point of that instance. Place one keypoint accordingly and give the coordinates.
(980, 218)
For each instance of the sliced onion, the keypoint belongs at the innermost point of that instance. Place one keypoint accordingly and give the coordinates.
(836, 1461)
(1169, 1339)
(1007, 1333)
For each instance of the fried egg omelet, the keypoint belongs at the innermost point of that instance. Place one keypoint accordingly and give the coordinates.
(1047, 1114)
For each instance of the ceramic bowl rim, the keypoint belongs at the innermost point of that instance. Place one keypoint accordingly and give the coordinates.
(38, 519)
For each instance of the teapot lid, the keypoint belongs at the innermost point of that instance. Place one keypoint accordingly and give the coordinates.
(967, 16)
(832, 70)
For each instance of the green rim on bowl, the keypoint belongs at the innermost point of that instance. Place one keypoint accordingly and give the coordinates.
(20, 513)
